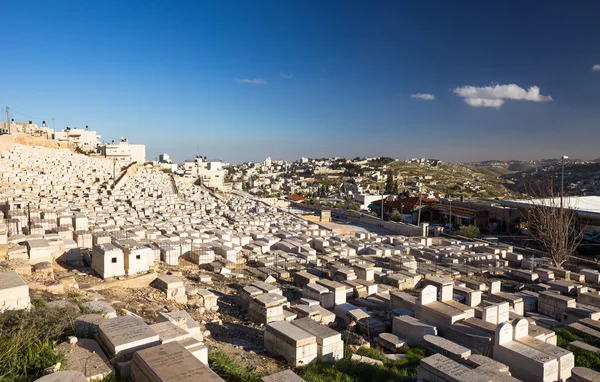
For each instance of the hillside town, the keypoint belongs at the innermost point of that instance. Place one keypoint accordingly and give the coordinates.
(171, 272)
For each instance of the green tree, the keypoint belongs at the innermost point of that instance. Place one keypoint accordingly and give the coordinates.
(354, 206)
(395, 215)
(389, 183)
(469, 231)
(395, 188)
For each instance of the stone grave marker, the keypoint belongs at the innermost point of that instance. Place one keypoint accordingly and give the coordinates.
(428, 295)
(504, 333)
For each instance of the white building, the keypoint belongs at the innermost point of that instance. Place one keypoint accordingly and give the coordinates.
(108, 260)
(137, 257)
(85, 139)
(124, 151)
(164, 158)
(209, 172)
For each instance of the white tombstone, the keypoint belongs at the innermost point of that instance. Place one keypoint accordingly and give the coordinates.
(428, 295)
(504, 333)
(446, 292)
(503, 312)
(495, 287)
(490, 314)
(521, 328)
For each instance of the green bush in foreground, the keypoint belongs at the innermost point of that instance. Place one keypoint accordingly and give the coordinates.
(587, 359)
(231, 370)
(349, 371)
(28, 338)
(564, 337)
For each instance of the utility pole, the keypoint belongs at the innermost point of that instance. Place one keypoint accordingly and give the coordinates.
(419, 215)
(450, 213)
(381, 203)
(401, 211)
(562, 181)
(8, 124)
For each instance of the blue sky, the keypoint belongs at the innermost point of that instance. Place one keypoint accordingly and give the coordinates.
(243, 80)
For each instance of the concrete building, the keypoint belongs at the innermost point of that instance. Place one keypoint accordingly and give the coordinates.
(164, 158)
(587, 209)
(124, 151)
(137, 257)
(210, 173)
(85, 139)
(108, 260)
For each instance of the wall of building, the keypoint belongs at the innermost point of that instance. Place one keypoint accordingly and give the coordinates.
(124, 152)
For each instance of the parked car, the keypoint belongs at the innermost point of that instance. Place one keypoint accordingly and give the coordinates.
(451, 228)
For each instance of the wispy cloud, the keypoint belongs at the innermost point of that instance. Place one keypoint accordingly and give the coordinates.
(253, 81)
(596, 68)
(283, 75)
(495, 96)
(424, 96)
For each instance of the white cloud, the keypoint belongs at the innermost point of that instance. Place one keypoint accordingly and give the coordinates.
(494, 96)
(596, 68)
(253, 81)
(483, 102)
(424, 96)
(283, 75)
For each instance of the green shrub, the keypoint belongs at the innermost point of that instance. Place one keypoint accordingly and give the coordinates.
(230, 369)
(395, 215)
(371, 353)
(469, 231)
(564, 337)
(347, 370)
(28, 339)
(587, 359)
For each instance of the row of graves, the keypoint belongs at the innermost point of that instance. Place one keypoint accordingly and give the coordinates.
(481, 329)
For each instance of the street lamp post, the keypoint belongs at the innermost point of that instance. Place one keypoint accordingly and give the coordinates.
(562, 180)
(450, 217)
(381, 189)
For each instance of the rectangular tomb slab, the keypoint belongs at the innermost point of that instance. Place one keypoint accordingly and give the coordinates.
(12, 286)
(438, 367)
(324, 334)
(14, 292)
(169, 332)
(86, 356)
(270, 300)
(282, 376)
(291, 334)
(169, 363)
(126, 334)
(447, 348)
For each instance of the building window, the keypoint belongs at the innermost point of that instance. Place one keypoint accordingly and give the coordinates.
(113, 260)
(138, 257)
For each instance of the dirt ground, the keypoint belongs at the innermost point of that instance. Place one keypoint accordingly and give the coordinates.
(228, 330)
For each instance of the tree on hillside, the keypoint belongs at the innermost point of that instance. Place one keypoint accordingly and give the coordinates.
(389, 183)
(395, 188)
(551, 223)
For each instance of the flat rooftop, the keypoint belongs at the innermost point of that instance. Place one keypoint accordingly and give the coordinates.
(584, 205)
